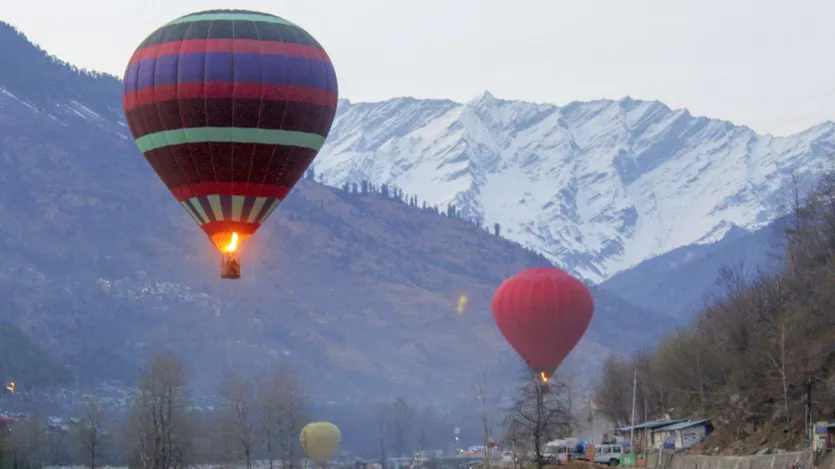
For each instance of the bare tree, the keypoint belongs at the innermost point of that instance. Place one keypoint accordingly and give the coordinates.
(284, 410)
(401, 419)
(160, 429)
(238, 397)
(539, 414)
(422, 426)
(222, 446)
(383, 415)
(487, 400)
(90, 432)
(30, 442)
(613, 395)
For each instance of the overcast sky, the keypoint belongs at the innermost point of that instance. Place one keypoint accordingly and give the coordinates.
(767, 64)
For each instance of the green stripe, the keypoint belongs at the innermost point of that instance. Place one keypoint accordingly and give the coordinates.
(200, 210)
(217, 208)
(291, 138)
(237, 207)
(270, 210)
(191, 213)
(256, 207)
(232, 17)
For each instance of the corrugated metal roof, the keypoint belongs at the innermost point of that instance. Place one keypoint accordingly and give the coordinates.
(682, 425)
(652, 424)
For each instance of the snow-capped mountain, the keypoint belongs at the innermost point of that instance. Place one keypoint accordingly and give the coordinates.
(597, 186)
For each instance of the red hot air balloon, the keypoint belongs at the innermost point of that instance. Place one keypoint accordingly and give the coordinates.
(230, 107)
(543, 312)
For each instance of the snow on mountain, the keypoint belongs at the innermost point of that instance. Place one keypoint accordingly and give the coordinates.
(597, 186)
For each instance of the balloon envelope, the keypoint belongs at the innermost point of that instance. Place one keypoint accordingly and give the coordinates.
(320, 440)
(543, 313)
(229, 107)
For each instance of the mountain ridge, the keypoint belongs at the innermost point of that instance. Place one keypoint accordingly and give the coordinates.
(623, 174)
(488, 95)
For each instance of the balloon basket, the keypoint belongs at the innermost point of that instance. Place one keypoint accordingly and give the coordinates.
(230, 265)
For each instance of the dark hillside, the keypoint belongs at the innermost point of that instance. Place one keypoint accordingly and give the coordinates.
(27, 364)
(683, 281)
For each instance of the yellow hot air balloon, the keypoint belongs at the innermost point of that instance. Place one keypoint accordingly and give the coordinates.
(320, 440)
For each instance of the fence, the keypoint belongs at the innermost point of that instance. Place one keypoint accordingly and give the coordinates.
(793, 460)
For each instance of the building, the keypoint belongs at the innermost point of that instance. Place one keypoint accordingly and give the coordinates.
(644, 431)
(824, 436)
(681, 435)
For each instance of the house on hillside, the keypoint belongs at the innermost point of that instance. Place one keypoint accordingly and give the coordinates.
(681, 435)
(824, 436)
(644, 431)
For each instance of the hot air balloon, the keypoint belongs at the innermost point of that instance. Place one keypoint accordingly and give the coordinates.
(543, 313)
(320, 440)
(229, 107)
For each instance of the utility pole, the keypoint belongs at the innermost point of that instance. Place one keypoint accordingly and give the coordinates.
(481, 394)
(591, 418)
(808, 412)
(382, 439)
(632, 420)
(646, 419)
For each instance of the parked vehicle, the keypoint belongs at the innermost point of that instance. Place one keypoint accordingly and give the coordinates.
(557, 454)
(608, 454)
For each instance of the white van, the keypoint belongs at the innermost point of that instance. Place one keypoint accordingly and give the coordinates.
(559, 454)
(608, 454)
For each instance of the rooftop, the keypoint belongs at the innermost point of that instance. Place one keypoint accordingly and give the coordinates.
(651, 425)
(683, 425)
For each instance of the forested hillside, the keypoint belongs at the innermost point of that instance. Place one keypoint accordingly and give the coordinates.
(752, 360)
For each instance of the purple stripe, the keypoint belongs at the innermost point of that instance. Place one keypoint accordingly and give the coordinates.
(131, 76)
(195, 211)
(263, 211)
(230, 67)
(207, 208)
(226, 206)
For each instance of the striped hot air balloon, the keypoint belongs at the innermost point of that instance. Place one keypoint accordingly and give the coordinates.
(230, 107)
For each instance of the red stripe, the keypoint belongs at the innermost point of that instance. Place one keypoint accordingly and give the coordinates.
(242, 228)
(241, 46)
(188, 191)
(209, 90)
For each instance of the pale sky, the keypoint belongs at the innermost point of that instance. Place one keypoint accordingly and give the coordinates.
(767, 64)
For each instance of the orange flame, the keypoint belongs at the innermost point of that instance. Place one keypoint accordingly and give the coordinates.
(544, 378)
(228, 242)
(233, 243)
